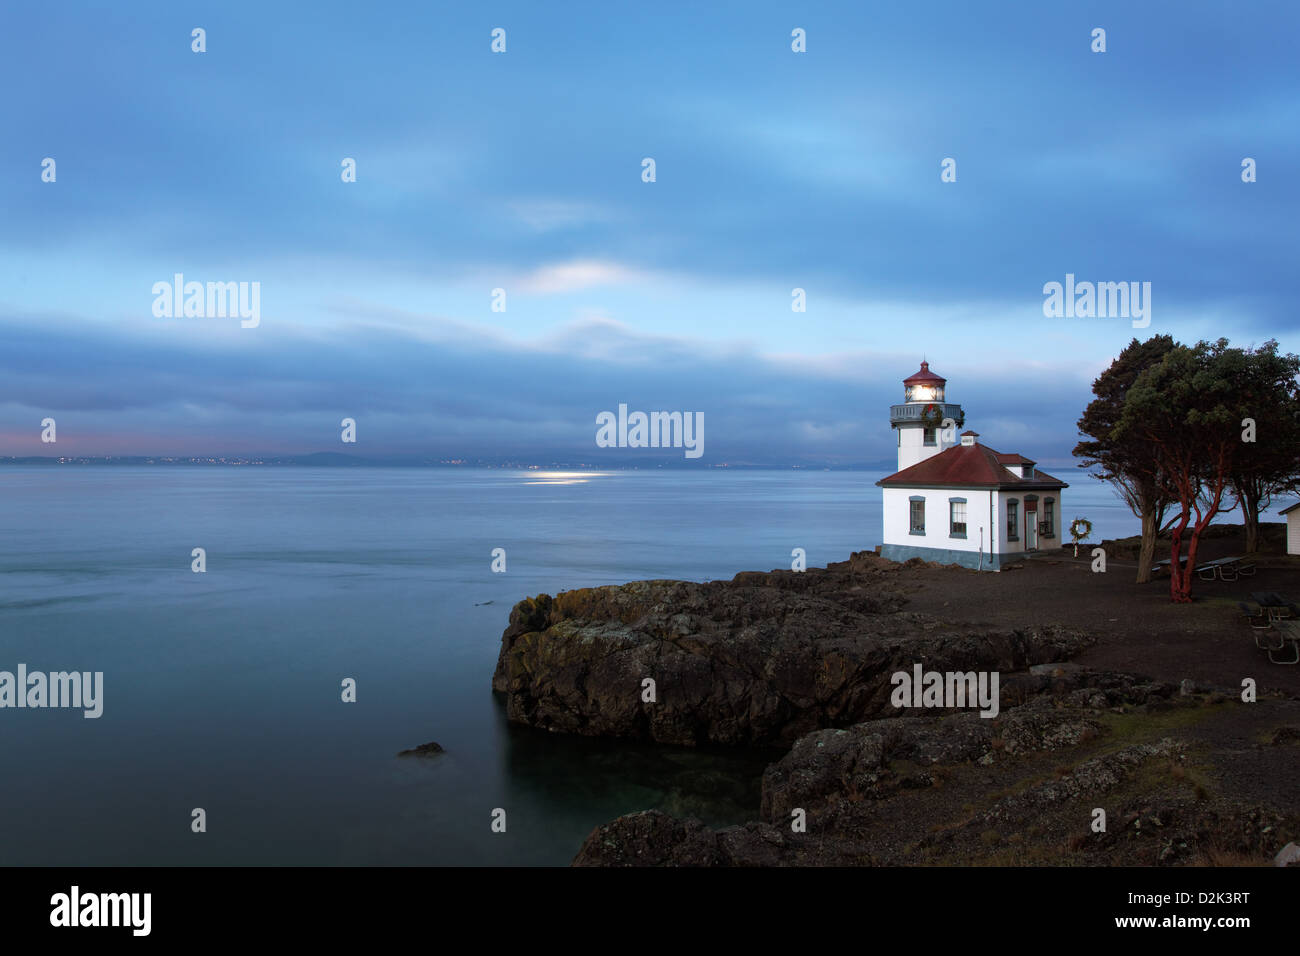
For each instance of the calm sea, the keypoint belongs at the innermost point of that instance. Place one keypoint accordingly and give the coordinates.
(222, 689)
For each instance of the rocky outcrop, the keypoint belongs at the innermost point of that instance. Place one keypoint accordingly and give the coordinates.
(1021, 789)
(760, 660)
(864, 760)
(804, 661)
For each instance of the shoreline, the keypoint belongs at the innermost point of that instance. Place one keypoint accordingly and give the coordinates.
(1127, 696)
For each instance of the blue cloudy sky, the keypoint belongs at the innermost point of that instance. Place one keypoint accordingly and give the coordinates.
(522, 171)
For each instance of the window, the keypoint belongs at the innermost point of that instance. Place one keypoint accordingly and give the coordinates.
(1013, 520)
(957, 517)
(1049, 518)
(929, 439)
(918, 516)
(1027, 471)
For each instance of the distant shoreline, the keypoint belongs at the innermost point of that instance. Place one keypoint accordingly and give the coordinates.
(335, 460)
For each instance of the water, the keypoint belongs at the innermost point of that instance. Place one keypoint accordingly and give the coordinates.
(222, 690)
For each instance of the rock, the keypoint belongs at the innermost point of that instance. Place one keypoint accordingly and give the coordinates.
(1289, 855)
(1088, 779)
(760, 660)
(431, 749)
(829, 762)
(653, 838)
(855, 762)
(918, 791)
(1057, 669)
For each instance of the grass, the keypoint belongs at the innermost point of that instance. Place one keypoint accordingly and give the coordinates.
(1132, 727)
(1157, 775)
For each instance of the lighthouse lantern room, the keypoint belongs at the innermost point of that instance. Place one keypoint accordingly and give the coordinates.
(920, 420)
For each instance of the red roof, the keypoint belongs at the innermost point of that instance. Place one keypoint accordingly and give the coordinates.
(1011, 458)
(924, 377)
(969, 466)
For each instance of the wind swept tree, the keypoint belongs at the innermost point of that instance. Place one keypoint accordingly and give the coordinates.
(1270, 460)
(1122, 461)
(1188, 412)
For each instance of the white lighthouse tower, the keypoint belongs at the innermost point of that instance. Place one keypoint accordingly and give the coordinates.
(919, 420)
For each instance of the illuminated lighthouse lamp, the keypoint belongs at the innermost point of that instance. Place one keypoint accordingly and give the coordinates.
(924, 386)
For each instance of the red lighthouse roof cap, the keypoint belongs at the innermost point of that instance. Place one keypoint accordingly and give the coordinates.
(924, 377)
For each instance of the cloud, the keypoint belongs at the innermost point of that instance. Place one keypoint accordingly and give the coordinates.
(422, 385)
(576, 275)
(523, 171)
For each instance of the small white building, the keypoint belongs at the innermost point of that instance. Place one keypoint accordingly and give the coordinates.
(1292, 514)
(961, 502)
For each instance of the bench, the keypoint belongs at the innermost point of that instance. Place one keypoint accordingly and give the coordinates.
(1288, 633)
(1255, 617)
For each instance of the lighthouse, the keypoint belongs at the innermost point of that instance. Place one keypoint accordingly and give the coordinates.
(956, 501)
(919, 421)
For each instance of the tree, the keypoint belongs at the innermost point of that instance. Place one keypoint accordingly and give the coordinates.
(1270, 460)
(1188, 412)
(1123, 461)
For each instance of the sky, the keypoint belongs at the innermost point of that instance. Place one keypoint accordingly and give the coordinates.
(523, 171)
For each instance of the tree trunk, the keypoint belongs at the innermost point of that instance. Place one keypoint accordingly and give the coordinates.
(1185, 597)
(1250, 510)
(1180, 584)
(1182, 594)
(1147, 553)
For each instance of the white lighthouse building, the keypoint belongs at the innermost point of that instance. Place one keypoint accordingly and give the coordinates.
(954, 500)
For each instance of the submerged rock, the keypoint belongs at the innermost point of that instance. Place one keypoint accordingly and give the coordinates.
(431, 749)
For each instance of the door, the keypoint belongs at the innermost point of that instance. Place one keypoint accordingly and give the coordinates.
(1031, 527)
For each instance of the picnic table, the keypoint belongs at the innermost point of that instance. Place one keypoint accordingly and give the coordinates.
(1227, 569)
(1289, 632)
(1273, 604)
(1222, 567)
(1166, 563)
